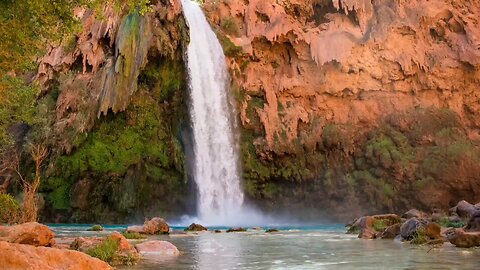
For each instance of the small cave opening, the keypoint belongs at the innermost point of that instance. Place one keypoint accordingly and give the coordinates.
(323, 7)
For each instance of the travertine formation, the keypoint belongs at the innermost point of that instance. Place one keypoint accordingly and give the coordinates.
(339, 81)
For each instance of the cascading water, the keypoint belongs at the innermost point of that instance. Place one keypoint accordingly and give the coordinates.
(216, 171)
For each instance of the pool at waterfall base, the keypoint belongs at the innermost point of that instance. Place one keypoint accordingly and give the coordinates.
(294, 247)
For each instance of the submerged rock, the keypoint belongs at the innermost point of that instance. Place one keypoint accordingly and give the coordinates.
(239, 229)
(157, 248)
(31, 233)
(272, 230)
(196, 228)
(16, 256)
(460, 238)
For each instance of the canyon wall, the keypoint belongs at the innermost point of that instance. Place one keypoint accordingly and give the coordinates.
(116, 115)
(354, 106)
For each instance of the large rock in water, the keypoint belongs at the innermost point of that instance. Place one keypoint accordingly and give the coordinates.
(157, 248)
(412, 227)
(19, 257)
(196, 228)
(156, 226)
(369, 227)
(136, 229)
(31, 233)
(460, 238)
(473, 224)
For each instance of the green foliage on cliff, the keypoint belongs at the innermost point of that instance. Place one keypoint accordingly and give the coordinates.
(17, 105)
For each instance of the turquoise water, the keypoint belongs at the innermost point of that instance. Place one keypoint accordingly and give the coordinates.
(315, 247)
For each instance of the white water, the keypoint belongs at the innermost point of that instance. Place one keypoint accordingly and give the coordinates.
(216, 172)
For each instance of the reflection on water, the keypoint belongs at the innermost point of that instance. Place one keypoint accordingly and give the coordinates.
(312, 248)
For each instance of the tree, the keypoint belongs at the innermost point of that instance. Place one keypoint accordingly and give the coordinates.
(38, 153)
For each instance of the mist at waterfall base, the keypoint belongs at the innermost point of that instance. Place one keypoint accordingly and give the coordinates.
(216, 166)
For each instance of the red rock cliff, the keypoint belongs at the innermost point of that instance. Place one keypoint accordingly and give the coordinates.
(374, 103)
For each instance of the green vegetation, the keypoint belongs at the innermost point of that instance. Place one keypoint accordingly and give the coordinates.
(379, 225)
(229, 48)
(229, 26)
(96, 228)
(133, 235)
(447, 223)
(9, 209)
(105, 251)
(420, 237)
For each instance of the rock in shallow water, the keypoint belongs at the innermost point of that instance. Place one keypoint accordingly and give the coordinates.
(240, 229)
(16, 256)
(195, 228)
(31, 233)
(460, 238)
(157, 248)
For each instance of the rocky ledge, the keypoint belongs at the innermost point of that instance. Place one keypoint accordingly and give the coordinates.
(461, 227)
(32, 246)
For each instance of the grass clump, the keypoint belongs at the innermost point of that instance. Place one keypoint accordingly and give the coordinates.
(105, 251)
(133, 235)
(96, 228)
(379, 225)
(445, 222)
(419, 237)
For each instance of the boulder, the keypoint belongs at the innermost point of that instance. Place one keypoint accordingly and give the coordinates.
(391, 231)
(464, 210)
(272, 230)
(195, 228)
(369, 227)
(473, 224)
(16, 256)
(157, 248)
(239, 229)
(31, 233)
(414, 227)
(460, 238)
(156, 226)
(125, 253)
(415, 213)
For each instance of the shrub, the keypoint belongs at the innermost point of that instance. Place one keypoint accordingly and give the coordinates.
(9, 209)
(445, 222)
(133, 235)
(105, 251)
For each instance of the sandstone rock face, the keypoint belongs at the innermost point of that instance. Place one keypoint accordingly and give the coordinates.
(31, 233)
(16, 256)
(157, 248)
(339, 94)
(156, 226)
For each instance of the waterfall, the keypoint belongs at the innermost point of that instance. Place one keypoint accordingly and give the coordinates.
(216, 161)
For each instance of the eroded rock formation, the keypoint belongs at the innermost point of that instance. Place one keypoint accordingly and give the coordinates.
(359, 103)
